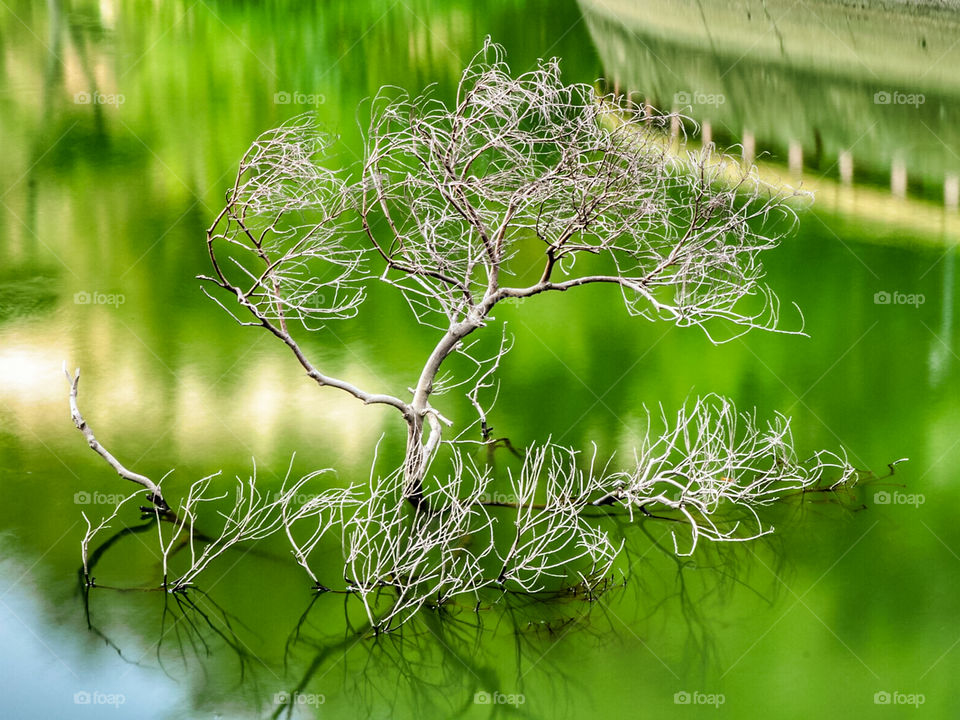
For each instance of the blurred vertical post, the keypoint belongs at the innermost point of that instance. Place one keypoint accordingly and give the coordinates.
(795, 159)
(845, 161)
(898, 178)
(951, 192)
(749, 146)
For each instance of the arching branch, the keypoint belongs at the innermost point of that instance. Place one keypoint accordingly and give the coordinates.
(153, 490)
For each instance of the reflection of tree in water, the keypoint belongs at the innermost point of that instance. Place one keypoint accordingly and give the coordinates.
(454, 653)
(76, 36)
(441, 582)
(28, 285)
(442, 659)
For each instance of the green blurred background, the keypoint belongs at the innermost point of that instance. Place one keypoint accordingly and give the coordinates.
(120, 125)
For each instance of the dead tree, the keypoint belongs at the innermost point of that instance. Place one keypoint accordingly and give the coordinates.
(448, 193)
(440, 206)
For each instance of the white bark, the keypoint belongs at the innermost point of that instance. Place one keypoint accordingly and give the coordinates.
(447, 196)
(153, 490)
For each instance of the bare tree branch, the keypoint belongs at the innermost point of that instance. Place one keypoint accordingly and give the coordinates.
(281, 245)
(448, 205)
(153, 490)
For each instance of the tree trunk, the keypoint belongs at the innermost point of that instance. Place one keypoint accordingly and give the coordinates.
(420, 451)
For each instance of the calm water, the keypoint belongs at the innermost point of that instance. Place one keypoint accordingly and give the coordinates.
(112, 197)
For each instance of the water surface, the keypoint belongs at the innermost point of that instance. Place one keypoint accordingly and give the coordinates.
(112, 198)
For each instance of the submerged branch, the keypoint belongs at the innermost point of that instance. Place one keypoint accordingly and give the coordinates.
(447, 198)
(153, 490)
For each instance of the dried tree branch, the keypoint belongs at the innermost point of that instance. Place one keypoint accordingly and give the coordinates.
(153, 490)
(447, 200)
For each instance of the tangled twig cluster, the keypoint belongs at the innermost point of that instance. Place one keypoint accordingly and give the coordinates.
(711, 469)
(448, 205)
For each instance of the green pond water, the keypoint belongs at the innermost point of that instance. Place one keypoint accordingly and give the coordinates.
(109, 199)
